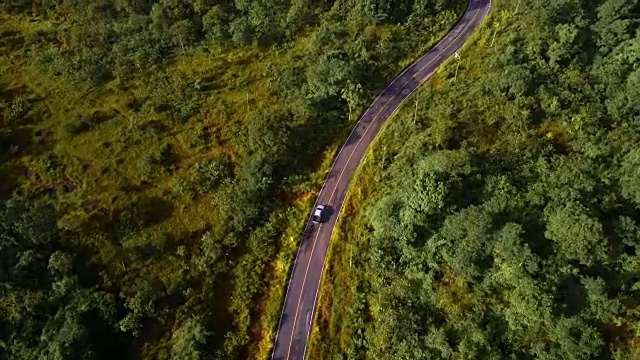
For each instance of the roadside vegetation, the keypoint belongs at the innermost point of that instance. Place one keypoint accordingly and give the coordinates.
(158, 160)
(497, 216)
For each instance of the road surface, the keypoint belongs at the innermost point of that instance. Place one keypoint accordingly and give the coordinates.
(302, 291)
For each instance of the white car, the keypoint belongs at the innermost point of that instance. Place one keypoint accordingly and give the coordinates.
(317, 214)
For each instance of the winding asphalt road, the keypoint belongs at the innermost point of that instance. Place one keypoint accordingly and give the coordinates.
(302, 291)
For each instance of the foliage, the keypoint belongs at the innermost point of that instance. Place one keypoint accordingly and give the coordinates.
(45, 309)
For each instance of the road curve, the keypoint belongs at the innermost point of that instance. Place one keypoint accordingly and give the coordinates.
(302, 291)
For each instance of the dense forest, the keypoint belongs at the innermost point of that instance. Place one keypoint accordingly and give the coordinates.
(158, 159)
(498, 215)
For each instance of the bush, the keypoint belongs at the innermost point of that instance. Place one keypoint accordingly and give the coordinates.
(209, 174)
(18, 109)
(182, 187)
(156, 162)
(198, 138)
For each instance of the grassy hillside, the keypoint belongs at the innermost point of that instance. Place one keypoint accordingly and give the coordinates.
(497, 216)
(158, 159)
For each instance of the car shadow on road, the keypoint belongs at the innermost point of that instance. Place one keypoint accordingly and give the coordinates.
(353, 138)
(328, 213)
(284, 319)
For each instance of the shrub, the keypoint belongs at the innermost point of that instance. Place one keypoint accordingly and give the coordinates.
(18, 109)
(182, 187)
(210, 173)
(149, 166)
